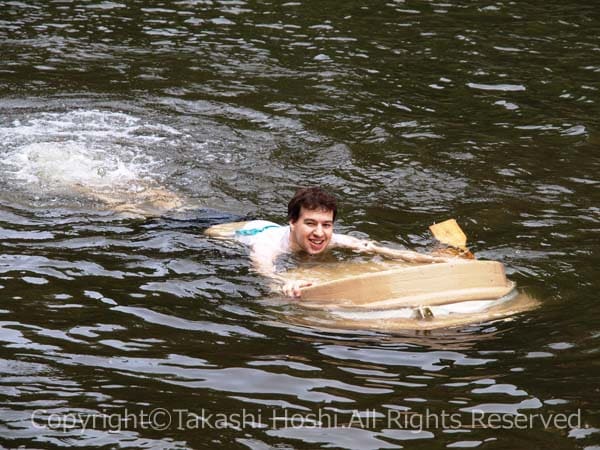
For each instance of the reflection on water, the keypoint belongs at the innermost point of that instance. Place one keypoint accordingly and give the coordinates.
(410, 112)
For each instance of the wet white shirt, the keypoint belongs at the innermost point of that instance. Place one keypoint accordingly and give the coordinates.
(268, 240)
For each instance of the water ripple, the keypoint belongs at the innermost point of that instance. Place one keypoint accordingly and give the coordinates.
(409, 113)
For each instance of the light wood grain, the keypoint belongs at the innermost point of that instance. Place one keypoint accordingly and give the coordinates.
(422, 285)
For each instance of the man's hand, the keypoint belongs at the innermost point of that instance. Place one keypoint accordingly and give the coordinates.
(293, 288)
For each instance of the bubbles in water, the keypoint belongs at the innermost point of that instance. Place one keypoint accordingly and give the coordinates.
(51, 153)
(57, 165)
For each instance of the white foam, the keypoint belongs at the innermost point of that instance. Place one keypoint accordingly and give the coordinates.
(465, 307)
(470, 307)
(86, 148)
(400, 313)
(68, 164)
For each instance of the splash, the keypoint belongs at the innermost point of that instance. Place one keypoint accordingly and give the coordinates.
(68, 164)
(102, 155)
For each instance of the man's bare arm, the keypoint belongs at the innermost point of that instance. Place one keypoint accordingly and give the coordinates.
(407, 255)
(366, 246)
(264, 264)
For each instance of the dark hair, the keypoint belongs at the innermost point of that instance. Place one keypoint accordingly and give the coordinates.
(311, 198)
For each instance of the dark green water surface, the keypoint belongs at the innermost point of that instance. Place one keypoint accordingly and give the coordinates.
(121, 333)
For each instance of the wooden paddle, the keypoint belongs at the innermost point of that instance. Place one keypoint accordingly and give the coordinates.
(450, 233)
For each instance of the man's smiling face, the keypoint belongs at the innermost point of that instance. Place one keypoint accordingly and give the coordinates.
(312, 231)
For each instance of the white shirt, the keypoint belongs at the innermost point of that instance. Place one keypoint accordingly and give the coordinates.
(268, 240)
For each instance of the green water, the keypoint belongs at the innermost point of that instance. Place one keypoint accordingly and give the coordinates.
(124, 333)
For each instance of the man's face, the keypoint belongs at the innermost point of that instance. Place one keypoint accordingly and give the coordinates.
(312, 231)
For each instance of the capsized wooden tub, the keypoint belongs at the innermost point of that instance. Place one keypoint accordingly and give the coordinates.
(412, 286)
(390, 295)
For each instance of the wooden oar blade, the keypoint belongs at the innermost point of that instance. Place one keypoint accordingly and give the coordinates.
(450, 233)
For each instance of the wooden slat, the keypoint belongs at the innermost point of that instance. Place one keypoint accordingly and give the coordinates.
(423, 285)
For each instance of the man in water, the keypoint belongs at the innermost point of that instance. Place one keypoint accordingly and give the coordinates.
(311, 216)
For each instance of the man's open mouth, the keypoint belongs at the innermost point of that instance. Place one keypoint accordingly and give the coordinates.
(316, 244)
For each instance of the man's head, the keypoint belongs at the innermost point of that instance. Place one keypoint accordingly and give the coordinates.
(311, 213)
(311, 198)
